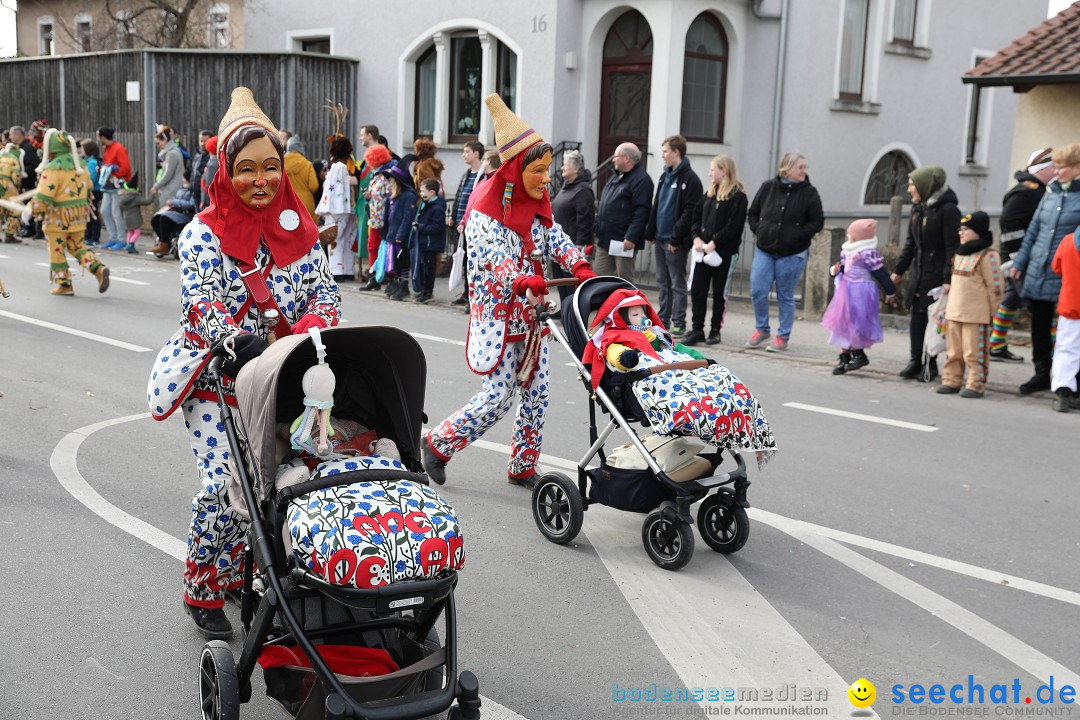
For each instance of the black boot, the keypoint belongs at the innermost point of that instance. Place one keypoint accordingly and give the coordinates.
(694, 337)
(371, 284)
(858, 360)
(1039, 381)
(911, 370)
(841, 363)
(210, 623)
(400, 291)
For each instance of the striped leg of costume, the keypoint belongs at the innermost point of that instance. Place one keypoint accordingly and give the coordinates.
(1003, 320)
(486, 407)
(72, 243)
(215, 545)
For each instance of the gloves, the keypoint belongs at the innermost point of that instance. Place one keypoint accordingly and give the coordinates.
(589, 250)
(245, 347)
(524, 283)
(583, 271)
(307, 322)
(628, 358)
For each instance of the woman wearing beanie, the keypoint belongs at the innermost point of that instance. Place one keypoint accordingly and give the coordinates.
(932, 239)
(852, 316)
(1058, 215)
(975, 289)
(511, 237)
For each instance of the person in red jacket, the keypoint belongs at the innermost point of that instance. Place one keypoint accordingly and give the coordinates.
(1065, 368)
(116, 170)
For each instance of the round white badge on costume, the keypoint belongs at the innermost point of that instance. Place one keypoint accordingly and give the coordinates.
(289, 220)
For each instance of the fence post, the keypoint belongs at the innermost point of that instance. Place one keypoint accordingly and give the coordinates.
(63, 99)
(824, 249)
(149, 90)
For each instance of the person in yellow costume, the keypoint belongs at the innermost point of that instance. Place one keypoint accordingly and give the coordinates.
(11, 175)
(62, 204)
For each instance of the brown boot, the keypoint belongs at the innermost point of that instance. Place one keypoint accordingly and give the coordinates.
(161, 249)
(102, 275)
(63, 290)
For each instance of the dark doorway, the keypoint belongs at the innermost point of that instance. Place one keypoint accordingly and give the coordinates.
(625, 86)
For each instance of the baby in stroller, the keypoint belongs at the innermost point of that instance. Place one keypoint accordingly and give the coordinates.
(708, 402)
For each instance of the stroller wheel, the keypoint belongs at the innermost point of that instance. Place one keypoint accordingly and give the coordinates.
(219, 687)
(723, 523)
(669, 542)
(557, 508)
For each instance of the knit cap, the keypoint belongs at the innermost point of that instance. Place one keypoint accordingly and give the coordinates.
(862, 230)
(977, 221)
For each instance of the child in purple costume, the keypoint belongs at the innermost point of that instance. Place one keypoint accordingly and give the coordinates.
(852, 316)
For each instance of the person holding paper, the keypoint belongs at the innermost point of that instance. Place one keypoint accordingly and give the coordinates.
(623, 214)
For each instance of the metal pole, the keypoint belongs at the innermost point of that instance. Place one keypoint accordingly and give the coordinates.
(149, 90)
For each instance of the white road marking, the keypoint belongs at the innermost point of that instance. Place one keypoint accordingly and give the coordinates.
(435, 338)
(1008, 646)
(112, 277)
(5, 257)
(76, 332)
(860, 416)
(64, 464)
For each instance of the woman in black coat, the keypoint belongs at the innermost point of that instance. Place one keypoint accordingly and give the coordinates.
(717, 232)
(574, 208)
(932, 238)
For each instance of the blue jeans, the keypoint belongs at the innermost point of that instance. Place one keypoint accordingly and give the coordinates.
(113, 216)
(671, 279)
(785, 272)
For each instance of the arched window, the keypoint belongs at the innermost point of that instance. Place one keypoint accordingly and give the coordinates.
(888, 178)
(704, 80)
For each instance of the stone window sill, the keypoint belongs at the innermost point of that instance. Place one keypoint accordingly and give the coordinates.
(855, 106)
(974, 171)
(908, 50)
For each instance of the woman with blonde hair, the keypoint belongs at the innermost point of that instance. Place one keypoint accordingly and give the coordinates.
(717, 231)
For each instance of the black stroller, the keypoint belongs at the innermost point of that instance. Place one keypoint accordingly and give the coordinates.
(285, 607)
(558, 504)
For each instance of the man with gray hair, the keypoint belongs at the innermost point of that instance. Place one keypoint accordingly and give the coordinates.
(623, 214)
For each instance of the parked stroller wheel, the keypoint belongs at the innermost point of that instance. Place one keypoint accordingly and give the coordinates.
(219, 687)
(557, 508)
(669, 543)
(723, 523)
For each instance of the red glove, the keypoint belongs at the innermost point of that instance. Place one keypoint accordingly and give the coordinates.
(536, 283)
(306, 322)
(583, 271)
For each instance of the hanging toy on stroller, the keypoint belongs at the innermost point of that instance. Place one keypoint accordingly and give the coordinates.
(634, 372)
(318, 384)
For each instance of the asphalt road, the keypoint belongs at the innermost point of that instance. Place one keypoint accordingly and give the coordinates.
(919, 554)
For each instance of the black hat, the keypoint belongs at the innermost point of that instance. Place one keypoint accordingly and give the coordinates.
(399, 170)
(977, 221)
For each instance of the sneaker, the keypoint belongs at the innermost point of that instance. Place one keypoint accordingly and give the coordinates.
(131, 249)
(841, 363)
(1004, 354)
(678, 330)
(858, 360)
(694, 337)
(969, 393)
(423, 298)
(1063, 400)
(63, 290)
(113, 245)
(758, 339)
(210, 623)
(433, 466)
(714, 338)
(779, 344)
(528, 482)
(946, 390)
(102, 275)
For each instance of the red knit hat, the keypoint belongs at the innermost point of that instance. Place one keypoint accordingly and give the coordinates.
(862, 230)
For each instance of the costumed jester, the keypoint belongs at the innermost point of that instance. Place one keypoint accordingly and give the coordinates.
(252, 269)
(62, 204)
(12, 172)
(510, 237)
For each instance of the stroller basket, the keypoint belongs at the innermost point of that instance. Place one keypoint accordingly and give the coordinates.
(627, 489)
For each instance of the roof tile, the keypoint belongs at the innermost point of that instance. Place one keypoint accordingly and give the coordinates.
(1050, 48)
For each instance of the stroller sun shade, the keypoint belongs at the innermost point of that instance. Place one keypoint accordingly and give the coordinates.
(380, 378)
(588, 298)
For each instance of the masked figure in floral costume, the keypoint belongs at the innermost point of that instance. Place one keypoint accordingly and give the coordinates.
(256, 227)
(62, 204)
(511, 237)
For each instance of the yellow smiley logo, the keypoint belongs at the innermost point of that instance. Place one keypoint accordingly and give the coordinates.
(862, 693)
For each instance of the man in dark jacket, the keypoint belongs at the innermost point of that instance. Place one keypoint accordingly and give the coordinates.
(678, 194)
(932, 239)
(198, 165)
(1017, 208)
(623, 213)
(30, 163)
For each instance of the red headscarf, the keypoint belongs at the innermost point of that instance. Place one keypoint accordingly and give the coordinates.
(519, 214)
(609, 327)
(285, 225)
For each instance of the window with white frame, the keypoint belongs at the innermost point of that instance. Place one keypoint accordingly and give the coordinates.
(46, 44)
(426, 92)
(467, 64)
(704, 80)
(83, 33)
(218, 26)
(853, 38)
(903, 21)
(977, 136)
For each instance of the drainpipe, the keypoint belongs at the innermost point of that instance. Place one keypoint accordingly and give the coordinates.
(778, 95)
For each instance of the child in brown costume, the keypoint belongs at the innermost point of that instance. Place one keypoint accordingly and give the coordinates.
(975, 290)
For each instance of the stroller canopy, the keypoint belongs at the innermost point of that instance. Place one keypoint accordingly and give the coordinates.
(380, 377)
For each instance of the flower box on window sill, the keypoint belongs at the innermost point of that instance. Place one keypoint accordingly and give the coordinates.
(855, 106)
